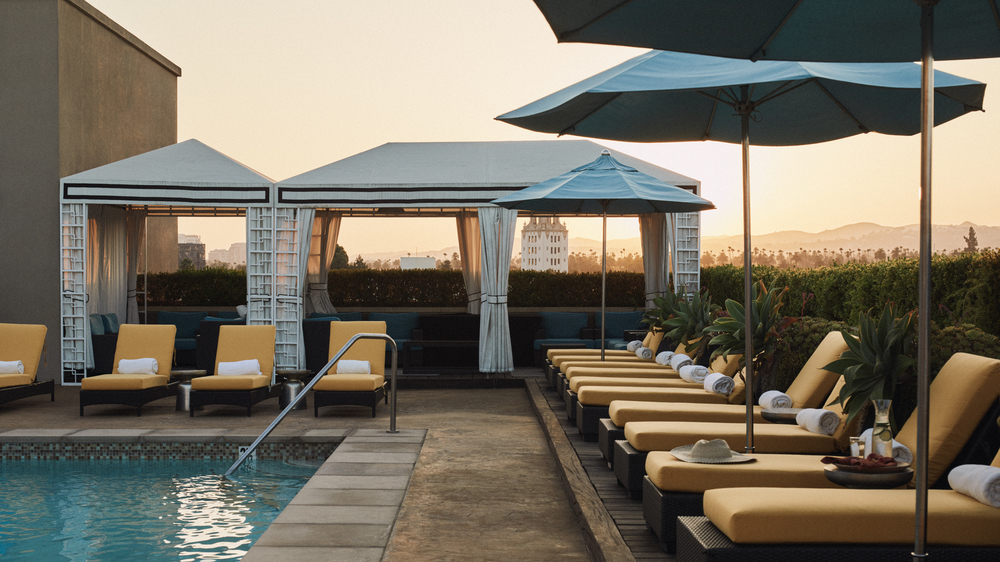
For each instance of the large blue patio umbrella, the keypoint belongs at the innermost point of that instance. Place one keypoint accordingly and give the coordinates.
(814, 30)
(604, 186)
(666, 96)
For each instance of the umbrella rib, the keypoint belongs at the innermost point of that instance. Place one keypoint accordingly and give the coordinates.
(779, 91)
(571, 32)
(841, 106)
(996, 14)
(719, 98)
(762, 50)
(711, 118)
(572, 127)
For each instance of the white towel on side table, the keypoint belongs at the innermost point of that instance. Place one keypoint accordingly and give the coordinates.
(144, 366)
(774, 399)
(719, 383)
(818, 420)
(978, 481)
(245, 367)
(900, 453)
(11, 368)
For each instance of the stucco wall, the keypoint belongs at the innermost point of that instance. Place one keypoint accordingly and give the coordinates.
(77, 91)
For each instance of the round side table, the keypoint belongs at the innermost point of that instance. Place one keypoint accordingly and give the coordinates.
(184, 388)
(292, 387)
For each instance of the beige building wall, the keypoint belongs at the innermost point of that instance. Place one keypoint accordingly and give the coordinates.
(78, 91)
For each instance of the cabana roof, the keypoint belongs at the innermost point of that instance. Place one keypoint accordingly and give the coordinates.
(445, 176)
(189, 173)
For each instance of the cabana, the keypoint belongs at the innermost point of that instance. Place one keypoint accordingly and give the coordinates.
(455, 179)
(102, 226)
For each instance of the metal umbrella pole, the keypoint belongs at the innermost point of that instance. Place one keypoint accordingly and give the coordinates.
(604, 268)
(749, 329)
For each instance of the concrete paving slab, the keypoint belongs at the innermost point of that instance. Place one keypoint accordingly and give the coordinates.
(312, 554)
(184, 435)
(106, 435)
(340, 514)
(365, 469)
(279, 534)
(376, 447)
(385, 458)
(329, 496)
(358, 482)
(35, 435)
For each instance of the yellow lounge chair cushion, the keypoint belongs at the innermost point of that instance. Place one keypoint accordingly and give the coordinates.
(652, 341)
(576, 383)
(612, 369)
(140, 341)
(230, 382)
(627, 411)
(363, 383)
(604, 395)
(24, 343)
(767, 438)
(624, 362)
(370, 350)
(813, 383)
(775, 470)
(237, 343)
(123, 382)
(15, 379)
(804, 516)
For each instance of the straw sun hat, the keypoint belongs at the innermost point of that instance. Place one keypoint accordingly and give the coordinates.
(705, 451)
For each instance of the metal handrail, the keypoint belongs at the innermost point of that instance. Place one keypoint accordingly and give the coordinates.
(291, 405)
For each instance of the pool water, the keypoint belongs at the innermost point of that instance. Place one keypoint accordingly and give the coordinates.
(140, 510)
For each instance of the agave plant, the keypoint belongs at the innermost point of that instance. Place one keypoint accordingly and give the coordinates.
(876, 361)
(688, 323)
(765, 315)
(663, 309)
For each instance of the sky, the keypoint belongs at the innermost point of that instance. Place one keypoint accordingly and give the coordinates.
(287, 86)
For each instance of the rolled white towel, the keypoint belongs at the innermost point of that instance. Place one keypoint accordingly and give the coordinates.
(818, 420)
(634, 345)
(144, 366)
(694, 373)
(978, 481)
(241, 310)
(719, 383)
(353, 367)
(245, 367)
(774, 399)
(679, 360)
(900, 452)
(663, 358)
(11, 368)
(644, 353)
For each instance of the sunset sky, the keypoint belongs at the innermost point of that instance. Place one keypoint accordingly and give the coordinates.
(286, 86)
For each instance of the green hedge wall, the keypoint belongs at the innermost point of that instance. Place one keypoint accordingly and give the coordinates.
(964, 288)
(194, 287)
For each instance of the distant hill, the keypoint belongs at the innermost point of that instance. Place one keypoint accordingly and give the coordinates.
(863, 235)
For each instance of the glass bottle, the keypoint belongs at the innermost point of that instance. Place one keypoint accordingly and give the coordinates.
(882, 432)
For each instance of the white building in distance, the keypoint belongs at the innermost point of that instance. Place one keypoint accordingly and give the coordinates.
(235, 256)
(545, 245)
(417, 263)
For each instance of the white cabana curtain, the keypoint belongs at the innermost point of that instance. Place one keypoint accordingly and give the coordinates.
(470, 249)
(656, 231)
(496, 227)
(323, 244)
(303, 239)
(135, 237)
(107, 288)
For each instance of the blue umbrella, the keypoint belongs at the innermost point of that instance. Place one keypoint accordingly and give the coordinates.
(846, 30)
(666, 96)
(604, 186)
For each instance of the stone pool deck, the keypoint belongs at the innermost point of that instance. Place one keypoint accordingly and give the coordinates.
(470, 476)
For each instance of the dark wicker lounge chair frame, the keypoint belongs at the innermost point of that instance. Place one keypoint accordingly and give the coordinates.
(245, 398)
(349, 398)
(137, 398)
(36, 388)
(607, 434)
(698, 540)
(588, 418)
(630, 467)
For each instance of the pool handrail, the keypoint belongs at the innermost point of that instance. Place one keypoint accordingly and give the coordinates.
(291, 405)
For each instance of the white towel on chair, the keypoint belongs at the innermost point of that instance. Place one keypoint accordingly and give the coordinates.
(774, 399)
(353, 367)
(634, 345)
(978, 481)
(245, 367)
(900, 453)
(644, 353)
(719, 383)
(818, 420)
(664, 357)
(694, 373)
(144, 366)
(679, 360)
(11, 368)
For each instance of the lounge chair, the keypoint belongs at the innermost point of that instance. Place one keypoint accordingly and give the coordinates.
(135, 341)
(964, 409)
(765, 524)
(354, 389)
(24, 343)
(556, 356)
(808, 390)
(239, 343)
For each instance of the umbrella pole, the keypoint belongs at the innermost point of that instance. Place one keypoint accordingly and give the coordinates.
(924, 275)
(604, 270)
(749, 328)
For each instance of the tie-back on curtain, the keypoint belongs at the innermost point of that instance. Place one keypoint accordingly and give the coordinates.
(135, 237)
(107, 283)
(323, 244)
(496, 226)
(470, 249)
(655, 229)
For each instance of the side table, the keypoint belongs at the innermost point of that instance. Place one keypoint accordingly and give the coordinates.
(292, 387)
(184, 388)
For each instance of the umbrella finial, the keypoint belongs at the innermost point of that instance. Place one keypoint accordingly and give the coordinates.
(605, 152)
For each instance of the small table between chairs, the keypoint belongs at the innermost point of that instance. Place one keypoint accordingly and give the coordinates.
(184, 388)
(292, 387)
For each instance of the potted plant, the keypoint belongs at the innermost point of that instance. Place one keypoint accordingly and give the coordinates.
(765, 314)
(877, 360)
(663, 309)
(688, 323)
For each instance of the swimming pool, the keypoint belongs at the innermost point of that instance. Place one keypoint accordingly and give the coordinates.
(111, 510)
